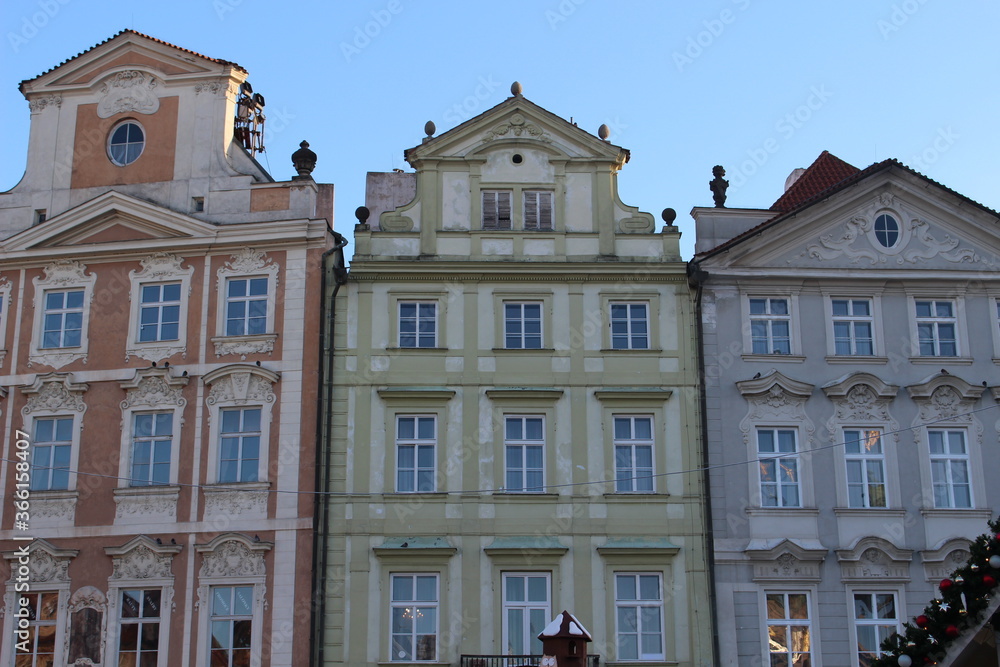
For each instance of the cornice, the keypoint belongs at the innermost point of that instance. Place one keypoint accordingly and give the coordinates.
(504, 272)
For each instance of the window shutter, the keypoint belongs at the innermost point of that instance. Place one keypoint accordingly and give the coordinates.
(489, 210)
(538, 210)
(545, 210)
(503, 210)
(531, 210)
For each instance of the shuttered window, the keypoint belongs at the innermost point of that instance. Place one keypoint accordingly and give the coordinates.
(537, 210)
(496, 209)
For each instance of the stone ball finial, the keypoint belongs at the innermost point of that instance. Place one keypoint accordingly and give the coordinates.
(604, 132)
(669, 215)
(304, 161)
(430, 128)
(362, 213)
(516, 88)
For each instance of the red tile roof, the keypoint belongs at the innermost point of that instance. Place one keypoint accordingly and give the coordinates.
(134, 32)
(825, 172)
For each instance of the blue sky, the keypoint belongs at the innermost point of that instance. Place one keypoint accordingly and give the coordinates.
(759, 87)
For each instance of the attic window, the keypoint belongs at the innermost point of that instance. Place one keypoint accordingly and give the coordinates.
(886, 230)
(125, 143)
(496, 209)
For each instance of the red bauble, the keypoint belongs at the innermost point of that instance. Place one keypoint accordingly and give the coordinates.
(989, 581)
(922, 621)
(951, 631)
(945, 585)
(998, 536)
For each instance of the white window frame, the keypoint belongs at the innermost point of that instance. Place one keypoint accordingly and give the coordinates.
(247, 263)
(635, 476)
(638, 604)
(5, 306)
(416, 443)
(936, 321)
(61, 276)
(56, 563)
(435, 318)
(522, 319)
(523, 443)
(47, 472)
(769, 319)
(630, 323)
(534, 203)
(864, 435)
(158, 269)
(995, 302)
(491, 220)
(779, 458)
(857, 623)
(230, 619)
(242, 435)
(852, 321)
(788, 623)
(425, 604)
(526, 606)
(949, 458)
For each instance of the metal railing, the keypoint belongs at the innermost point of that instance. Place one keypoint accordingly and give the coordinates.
(514, 660)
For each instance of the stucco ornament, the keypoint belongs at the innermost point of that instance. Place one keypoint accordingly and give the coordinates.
(154, 387)
(232, 558)
(831, 246)
(46, 568)
(777, 399)
(247, 260)
(39, 103)
(54, 392)
(147, 506)
(946, 399)
(65, 272)
(130, 90)
(238, 388)
(517, 126)
(142, 563)
(232, 502)
(861, 398)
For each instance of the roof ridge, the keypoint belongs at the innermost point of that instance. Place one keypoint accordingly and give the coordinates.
(825, 172)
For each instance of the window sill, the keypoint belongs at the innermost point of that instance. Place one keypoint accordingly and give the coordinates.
(633, 497)
(880, 512)
(53, 509)
(244, 345)
(630, 350)
(242, 500)
(959, 361)
(155, 350)
(956, 513)
(524, 497)
(782, 511)
(146, 504)
(783, 358)
(640, 663)
(408, 496)
(523, 350)
(855, 359)
(416, 350)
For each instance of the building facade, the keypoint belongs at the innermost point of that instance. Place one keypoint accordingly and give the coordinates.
(158, 370)
(513, 411)
(851, 336)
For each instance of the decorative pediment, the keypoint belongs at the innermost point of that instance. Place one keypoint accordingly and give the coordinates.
(233, 555)
(787, 560)
(47, 564)
(773, 385)
(939, 563)
(54, 392)
(516, 126)
(87, 597)
(861, 398)
(129, 91)
(142, 559)
(943, 395)
(238, 384)
(153, 388)
(775, 399)
(874, 559)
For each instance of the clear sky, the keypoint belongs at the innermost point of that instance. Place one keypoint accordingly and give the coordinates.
(761, 87)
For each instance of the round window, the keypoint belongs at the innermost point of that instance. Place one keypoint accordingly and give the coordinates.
(886, 230)
(125, 143)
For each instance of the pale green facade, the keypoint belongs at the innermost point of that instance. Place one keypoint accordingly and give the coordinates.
(451, 513)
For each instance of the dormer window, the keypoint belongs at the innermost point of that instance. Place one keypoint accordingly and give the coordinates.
(125, 143)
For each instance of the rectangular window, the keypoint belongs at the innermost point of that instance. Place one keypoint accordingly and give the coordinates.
(50, 453)
(639, 616)
(232, 625)
(779, 468)
(633, 454)
(239, 446)
(522, 326)
(416, 441)
(62, 319)
(875, 620)
(537, 210)
(496, 209)
(160, 312)
(770, 326)
(414, 611)
(139, 628)
(630, 326)
(42, 611)
(152, 435)
(246, 306)
(417, 324)
(936, 328)
(865, 468)
(852, 327)
(524, 454)
(949, 468)
(788, 630)
(526, 612)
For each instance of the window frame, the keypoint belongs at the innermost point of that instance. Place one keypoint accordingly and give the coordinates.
(61, 276)
(632, 443)
(527, 606)
(417, 443)
(864, 459)
(538, 203)
(246, 264)
(763, 456)
(856, 623)
(55, 442)
(522, 319)
(787, 622)
(523, 443)
(5, 306)
(158, 269)
(769, 319)
(950, 458)
(56, 624)
(852, 321)
(629, 335)
(436, 604)
(417, 321)
(242, 435)
(230, 619)
(139, 621)
(114, 130)
(637, 604)
(936, 322)
(496, 193)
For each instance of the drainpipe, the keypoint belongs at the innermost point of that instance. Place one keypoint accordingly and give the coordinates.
(324, 408)
(699, 276)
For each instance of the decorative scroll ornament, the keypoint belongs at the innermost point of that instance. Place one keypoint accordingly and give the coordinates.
(517, 126)
(142, 563)
(54, 392)
(160, 265)
(87, 597)
(130, 90)
(37, 104)
(861, 398)
(247, 260)
(231, 502)
(154, 387)
(46, 568)
(830, 247)
(241, 387)
(232, 558)
(66, 272)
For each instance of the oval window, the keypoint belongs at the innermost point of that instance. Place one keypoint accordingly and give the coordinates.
(125, 143)
(886, 230)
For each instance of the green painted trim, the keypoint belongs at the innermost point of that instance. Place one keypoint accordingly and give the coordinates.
(632, 394)
(536, 545)
(524, 393)
(638, 546)
(416, 393)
